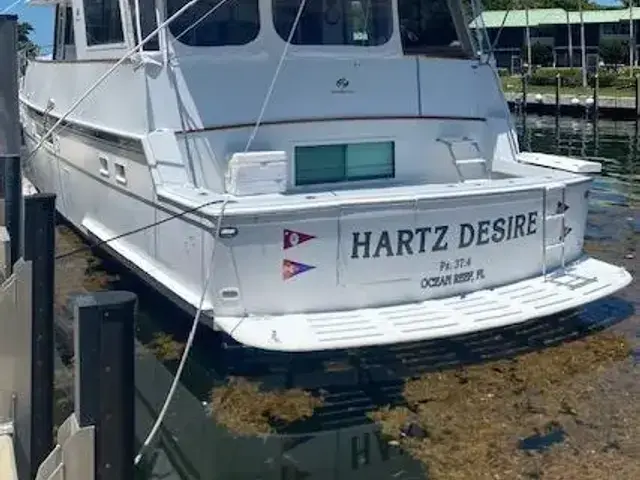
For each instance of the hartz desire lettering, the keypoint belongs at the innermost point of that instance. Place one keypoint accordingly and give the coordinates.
(442, 237)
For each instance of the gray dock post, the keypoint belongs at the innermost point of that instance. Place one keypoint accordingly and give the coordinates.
(104, 381)
(39, 248)
(558, 85)
(11, 188)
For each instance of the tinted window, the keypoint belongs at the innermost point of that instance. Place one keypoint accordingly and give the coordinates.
(148, 22)
(426, 26)
(335, 22)
(342, 163)
(68, 27)
(235, 22)
(103, 22)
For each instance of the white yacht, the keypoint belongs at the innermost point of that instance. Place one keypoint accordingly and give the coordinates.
(359, 154)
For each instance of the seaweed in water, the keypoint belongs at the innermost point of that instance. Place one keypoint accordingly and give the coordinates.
(243, 408)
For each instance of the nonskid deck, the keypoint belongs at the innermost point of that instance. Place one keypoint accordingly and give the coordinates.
(583, 281)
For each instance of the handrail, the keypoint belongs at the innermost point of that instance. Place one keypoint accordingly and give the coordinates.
(450, 143)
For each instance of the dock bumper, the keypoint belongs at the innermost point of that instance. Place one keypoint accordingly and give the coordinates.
(580, 283)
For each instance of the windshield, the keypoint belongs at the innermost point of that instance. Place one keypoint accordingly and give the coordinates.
(436, 27)
(234, 22)
(335, 22)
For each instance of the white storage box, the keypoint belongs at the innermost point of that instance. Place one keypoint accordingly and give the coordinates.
(256, 173)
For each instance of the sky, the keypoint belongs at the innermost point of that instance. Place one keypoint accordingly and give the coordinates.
(41, 18)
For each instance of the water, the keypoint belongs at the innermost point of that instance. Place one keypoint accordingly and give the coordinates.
(340, 441)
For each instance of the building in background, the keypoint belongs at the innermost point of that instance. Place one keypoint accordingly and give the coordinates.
(559, 31)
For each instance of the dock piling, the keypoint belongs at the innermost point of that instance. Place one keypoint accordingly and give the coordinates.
(10, 141)
(525, 82)
(637, 78)
(39, 248)
(13, 203)
(104, 380)
(558, 85)
(596, 94)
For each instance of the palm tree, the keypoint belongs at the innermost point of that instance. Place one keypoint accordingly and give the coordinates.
(25, 44)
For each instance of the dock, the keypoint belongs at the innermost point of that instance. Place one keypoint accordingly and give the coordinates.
(97, 439)
(574, 105)
(559, 102)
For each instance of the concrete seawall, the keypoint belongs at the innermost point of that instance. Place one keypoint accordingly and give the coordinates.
(613, 107)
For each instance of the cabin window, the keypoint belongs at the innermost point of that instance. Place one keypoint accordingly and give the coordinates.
(148, 23)
(64, 43)
(234, 22)
(68, 27)
(335, 22)
(103, 22)
(346, 162)
(427, 27)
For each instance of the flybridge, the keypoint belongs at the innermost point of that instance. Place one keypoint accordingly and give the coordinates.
(437, 238)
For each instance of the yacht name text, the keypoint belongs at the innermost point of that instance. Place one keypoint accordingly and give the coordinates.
(441, 238)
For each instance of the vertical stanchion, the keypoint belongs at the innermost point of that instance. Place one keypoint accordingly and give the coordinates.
(39, 248)
(104, 382)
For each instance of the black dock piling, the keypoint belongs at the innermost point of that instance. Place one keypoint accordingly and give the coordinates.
(104, 385)
(558, 85)
(596, 94)
(10, 143)
(13, 203)
(39, 248)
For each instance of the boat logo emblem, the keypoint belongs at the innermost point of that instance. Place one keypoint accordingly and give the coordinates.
(291, 238)
(342, 83)
(290, 268)
(342, 86)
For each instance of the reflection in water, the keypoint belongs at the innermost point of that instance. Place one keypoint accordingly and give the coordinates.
(340, 441)
(615, 144)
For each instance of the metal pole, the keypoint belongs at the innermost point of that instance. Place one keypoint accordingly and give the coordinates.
(39, 248)
(104, 381)
(583, 48)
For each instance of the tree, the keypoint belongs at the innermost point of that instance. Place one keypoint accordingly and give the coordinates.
(569, 5)
(25, 44)
(614, 51)
(541, 54)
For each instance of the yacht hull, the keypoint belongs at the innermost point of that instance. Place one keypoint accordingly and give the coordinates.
(357, 268)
